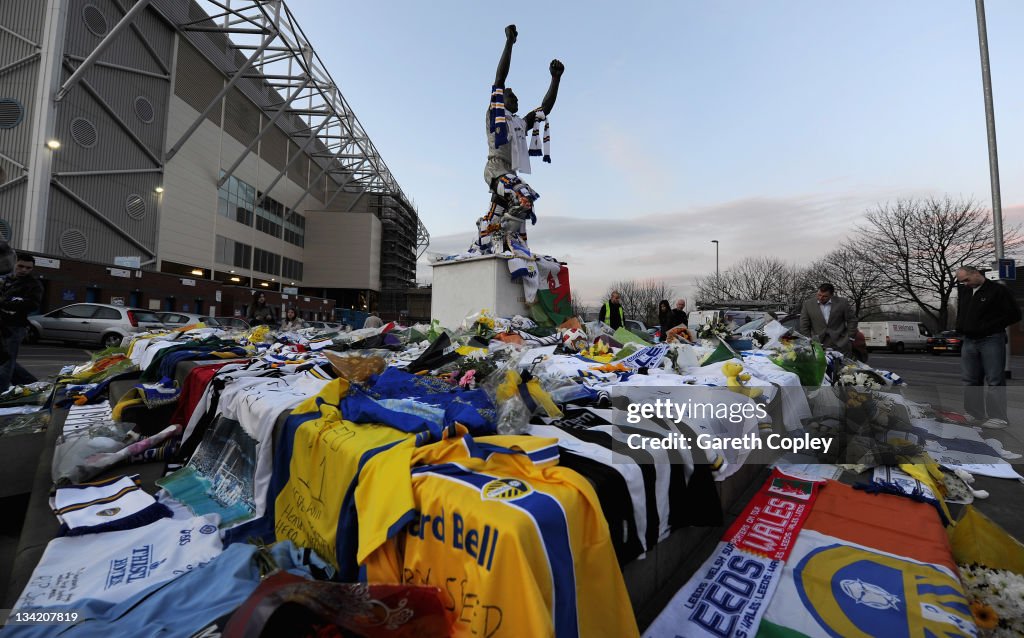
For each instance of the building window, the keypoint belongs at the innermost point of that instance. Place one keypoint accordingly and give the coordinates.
(291, 269)
(270, 217)
(295, 229)
(266, 261)
(236, 200)
(234, 253)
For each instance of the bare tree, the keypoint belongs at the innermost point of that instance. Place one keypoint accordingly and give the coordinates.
(855, 276)
(640, 298)
(756, 279)
(579, 308)
(916, 245)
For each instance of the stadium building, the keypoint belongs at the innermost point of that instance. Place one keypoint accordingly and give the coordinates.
(154, 148)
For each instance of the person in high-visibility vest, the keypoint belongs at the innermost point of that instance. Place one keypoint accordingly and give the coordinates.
(611, 312)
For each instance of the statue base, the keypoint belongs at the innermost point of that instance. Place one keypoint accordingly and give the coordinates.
(462, 288)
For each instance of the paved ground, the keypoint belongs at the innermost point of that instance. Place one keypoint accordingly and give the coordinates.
(935, 379)
(42, 361)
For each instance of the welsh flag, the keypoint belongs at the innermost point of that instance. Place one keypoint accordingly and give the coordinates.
(554, 301)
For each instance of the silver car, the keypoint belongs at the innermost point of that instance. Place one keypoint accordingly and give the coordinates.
(179, 319)
(93, 323)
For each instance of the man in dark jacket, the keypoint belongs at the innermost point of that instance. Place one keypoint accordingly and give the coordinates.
(611, 312)
(679, 315)
(20, 295)
(984, 310)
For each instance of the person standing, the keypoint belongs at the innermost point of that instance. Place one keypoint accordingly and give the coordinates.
(679, 314)
(665, 320)
(611, 312)
(260, 314)
(984, 310)
(292, 321)
(373, 321)
(829, 320)
(20, 295)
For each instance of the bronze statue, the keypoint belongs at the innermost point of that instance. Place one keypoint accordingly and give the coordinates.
(508, 152)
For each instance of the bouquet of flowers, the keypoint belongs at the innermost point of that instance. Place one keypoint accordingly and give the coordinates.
(480, 323)
(470, 370)
(758, 337)
(860, 376)
(800, 355)
(714, 328)
(997, 599)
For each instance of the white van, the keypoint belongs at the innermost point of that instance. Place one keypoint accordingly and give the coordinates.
(894, 335)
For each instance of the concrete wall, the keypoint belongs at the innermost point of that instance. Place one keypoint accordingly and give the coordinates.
(342, 250)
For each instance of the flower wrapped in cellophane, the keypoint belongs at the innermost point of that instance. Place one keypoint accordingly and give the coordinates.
(798, 354)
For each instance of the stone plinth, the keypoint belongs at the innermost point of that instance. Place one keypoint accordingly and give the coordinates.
(462, 288)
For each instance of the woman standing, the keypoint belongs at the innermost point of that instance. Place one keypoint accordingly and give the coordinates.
(292, 321)
(664, 318)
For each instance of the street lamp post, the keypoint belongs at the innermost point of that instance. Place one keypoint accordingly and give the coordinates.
(993, 155)
(715, 242)
(990, 126)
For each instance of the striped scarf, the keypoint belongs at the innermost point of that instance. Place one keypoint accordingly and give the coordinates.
(535, 137)
(499, 126)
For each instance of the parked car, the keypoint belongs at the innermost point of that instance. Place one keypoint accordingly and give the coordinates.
(178, 319)
(232, 323)
(640, 329)
(946, 341)
(102, 324)
(895, 335)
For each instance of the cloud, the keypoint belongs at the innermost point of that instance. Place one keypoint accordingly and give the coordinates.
(675, 247)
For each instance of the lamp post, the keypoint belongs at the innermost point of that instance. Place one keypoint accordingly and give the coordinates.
(715, 242)
(993, 155)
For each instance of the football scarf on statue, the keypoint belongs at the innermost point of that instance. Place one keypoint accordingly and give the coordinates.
(497, 116)
(731, 590)
(535, 137)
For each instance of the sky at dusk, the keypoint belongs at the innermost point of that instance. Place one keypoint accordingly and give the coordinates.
(769, 125)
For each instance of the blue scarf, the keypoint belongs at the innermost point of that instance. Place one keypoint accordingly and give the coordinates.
(497, 111)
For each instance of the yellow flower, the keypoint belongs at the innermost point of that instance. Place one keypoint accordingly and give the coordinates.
(984, 616)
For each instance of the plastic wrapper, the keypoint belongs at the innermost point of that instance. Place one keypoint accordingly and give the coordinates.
(71, 457)
(355, 367)
(798, 354)
(596, 328)
(473, 369)
(517, 396)
(27, 423)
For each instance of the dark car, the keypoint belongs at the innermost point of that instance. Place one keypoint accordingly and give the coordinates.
(948, 341)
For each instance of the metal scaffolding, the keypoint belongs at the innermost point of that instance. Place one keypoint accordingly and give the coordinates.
(263, 43)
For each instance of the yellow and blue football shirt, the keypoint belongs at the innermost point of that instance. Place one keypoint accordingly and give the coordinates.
(313, 492)
(517, 544)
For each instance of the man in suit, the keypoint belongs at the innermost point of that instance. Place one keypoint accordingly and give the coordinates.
(829, 320)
